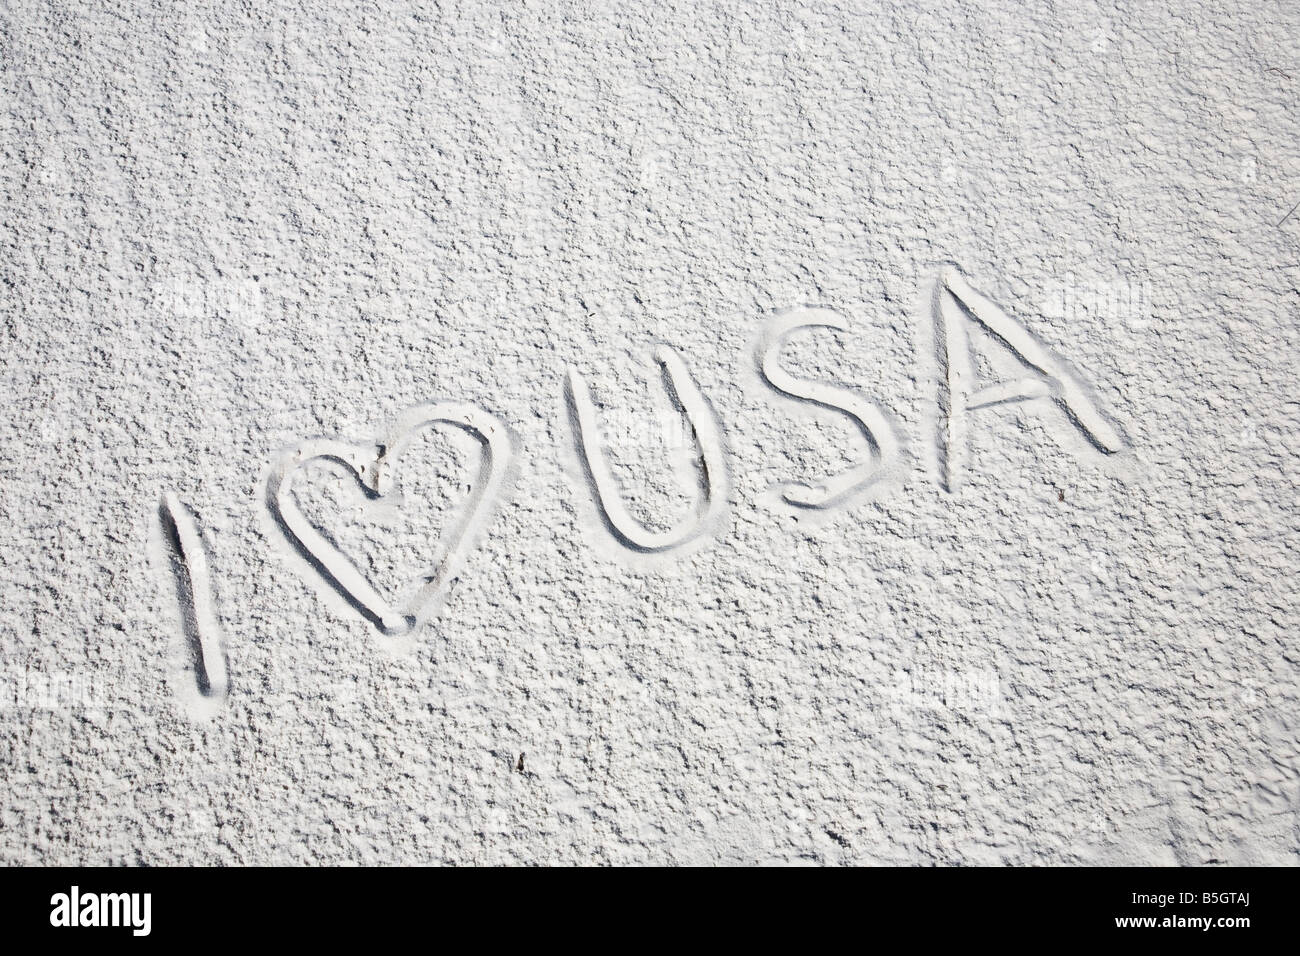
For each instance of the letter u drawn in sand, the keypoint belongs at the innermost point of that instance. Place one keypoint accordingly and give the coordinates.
(613, 514)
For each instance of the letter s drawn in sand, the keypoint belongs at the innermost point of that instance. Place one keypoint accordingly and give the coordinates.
(885, 451)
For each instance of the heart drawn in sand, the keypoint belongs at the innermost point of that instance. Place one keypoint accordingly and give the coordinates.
(374, 467)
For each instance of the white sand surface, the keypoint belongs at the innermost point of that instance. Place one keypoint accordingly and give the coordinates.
(649, 432)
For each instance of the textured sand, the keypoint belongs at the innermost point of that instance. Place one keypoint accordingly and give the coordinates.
(225, 234)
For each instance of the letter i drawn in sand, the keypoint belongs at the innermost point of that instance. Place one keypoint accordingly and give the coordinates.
(187, 560)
